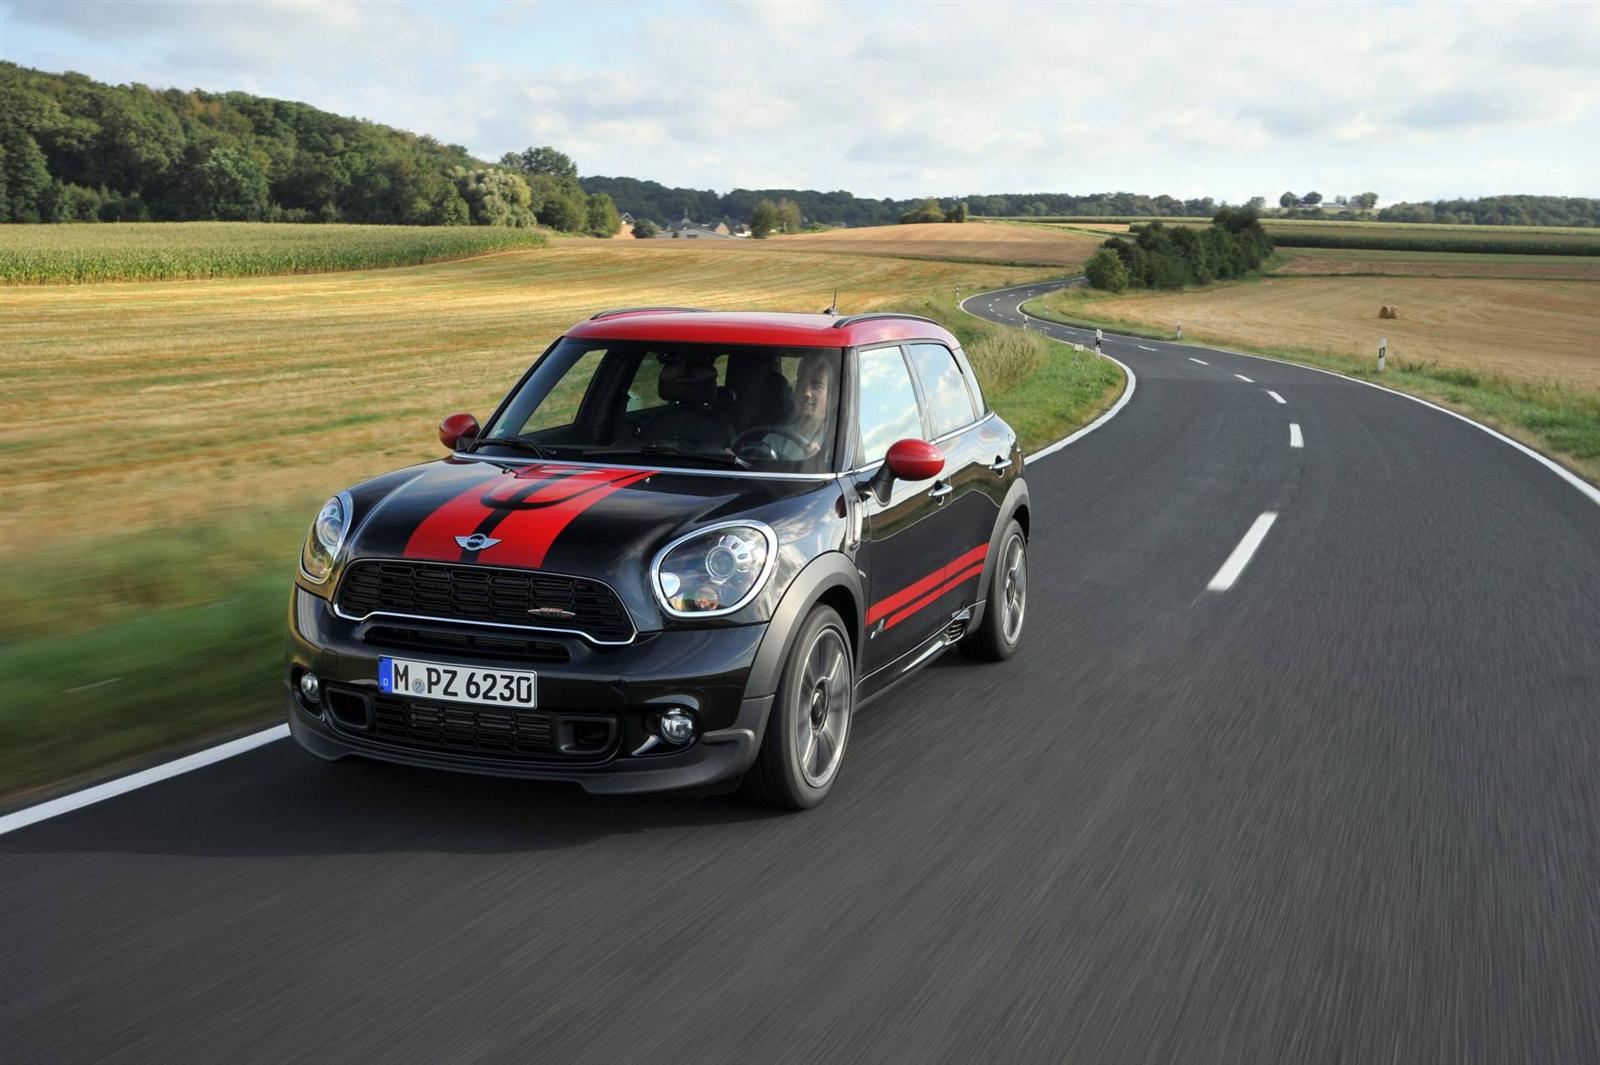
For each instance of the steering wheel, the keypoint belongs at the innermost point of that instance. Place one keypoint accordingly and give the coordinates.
(750, 437)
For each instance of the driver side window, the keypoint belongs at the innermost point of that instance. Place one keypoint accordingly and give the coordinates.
(888, 402)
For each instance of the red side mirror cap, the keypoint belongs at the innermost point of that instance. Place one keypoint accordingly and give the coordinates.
(457, 429)
(914, 460)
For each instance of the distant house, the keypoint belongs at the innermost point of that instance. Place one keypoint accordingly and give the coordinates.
(688, 228)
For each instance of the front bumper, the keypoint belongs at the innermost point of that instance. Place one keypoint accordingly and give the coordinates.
(594, 718)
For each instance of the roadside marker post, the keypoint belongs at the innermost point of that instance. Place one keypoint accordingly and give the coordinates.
(1180, 329)
(1098, 337)
(1383, 350)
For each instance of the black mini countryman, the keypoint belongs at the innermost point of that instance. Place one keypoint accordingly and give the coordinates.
(686, 548)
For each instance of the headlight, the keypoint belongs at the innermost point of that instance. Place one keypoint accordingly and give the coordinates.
(326, 538)
(714, 571)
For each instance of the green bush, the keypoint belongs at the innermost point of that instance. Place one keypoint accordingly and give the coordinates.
(1105, 270)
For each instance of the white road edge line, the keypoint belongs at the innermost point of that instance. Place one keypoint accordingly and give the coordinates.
(122, 785)
(1242, 554)
(1295, 439)
(1243, 378)
(31, 815)
(1275, 396)
(1589, 491)
(1115, 408)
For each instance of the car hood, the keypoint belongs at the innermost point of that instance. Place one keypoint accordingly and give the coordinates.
(592, 521)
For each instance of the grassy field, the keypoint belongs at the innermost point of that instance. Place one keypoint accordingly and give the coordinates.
(1039, 245)
(1315, 262)
(182, 434)
(53, 254)
(1523, 355)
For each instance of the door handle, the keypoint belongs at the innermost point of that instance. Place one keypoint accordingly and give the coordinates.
(940, 490)
(1000, 464)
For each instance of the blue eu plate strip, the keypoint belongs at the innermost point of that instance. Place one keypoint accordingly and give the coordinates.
(386, 674)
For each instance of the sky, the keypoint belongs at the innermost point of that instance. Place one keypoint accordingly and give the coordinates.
(1229, 100)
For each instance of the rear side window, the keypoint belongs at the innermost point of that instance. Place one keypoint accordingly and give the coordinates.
(950, 405)
(888, 402)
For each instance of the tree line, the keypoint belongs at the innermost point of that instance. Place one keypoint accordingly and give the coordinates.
(75, 150)
(1174, 256)
(1500, 211)
(664, 205)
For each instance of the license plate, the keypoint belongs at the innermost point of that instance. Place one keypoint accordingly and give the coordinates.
(458, 684)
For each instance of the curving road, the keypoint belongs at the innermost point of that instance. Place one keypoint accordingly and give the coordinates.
(1333, 799)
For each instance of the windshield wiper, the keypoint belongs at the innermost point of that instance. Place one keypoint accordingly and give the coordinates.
(712, 457)
(516, 442)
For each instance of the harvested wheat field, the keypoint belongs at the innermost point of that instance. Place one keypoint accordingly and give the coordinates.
(936, 240)
(189, 399)
(1313, 262)
(1537, 331)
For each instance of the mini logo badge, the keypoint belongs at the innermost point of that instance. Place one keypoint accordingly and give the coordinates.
(476, 542)
(551, 612)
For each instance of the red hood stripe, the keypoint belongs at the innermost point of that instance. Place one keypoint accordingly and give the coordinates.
(526, 535)
(542, 487)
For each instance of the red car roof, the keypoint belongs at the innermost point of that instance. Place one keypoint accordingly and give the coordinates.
(759, 327)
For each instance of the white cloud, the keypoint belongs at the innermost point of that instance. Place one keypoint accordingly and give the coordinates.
(901, 99)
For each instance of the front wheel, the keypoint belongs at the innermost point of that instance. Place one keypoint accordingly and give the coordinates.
(804, 744)
(1000, 632)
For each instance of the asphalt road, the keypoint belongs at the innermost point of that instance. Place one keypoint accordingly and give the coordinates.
(1347, 809)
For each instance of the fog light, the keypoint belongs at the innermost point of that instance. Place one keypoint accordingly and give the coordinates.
(310, 687)
(677, 727)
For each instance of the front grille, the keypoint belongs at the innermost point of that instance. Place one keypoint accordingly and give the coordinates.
(480, 593)
(459, 727)
(466, 642)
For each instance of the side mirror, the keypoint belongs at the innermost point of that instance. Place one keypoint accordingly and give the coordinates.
(908, 460)
(457, 429)
(914, 460)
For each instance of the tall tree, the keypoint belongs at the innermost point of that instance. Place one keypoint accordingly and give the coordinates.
(602, 217)
(764, 219)
(1288, 199)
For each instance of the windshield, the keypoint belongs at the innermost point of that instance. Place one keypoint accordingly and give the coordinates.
(693, 406)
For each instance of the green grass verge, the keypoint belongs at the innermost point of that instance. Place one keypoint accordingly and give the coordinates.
(1561, 422)
(79, 700)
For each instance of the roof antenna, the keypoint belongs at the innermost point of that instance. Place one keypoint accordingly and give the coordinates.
(833, 308)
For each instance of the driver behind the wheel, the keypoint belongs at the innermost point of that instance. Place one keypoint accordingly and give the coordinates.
(805, 432)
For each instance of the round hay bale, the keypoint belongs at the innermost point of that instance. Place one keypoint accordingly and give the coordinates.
(1388, 310)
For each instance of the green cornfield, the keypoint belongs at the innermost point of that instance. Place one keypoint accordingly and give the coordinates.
(166, 251)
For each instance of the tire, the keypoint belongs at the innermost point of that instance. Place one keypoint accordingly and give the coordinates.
(1000, 632)
(798, 762)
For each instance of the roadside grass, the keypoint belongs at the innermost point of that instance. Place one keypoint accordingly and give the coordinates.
(145, 562)
(156, 251)
(1557, 418)
(1043, 388)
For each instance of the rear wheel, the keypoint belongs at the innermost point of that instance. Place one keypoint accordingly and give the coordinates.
(1000, 632)
(809, 724)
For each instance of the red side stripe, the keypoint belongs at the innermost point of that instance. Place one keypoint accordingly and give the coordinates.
(926, 590)
(960, 578)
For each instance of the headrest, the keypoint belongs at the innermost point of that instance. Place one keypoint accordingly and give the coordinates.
(684, 381)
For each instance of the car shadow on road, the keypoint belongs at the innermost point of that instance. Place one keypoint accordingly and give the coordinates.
(281, 801)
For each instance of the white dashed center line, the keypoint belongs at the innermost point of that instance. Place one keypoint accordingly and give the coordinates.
(1141, 347)
(1202, 362)
(1242, 554)
(1276, 397)
(1295, 439)
(1243, 378)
